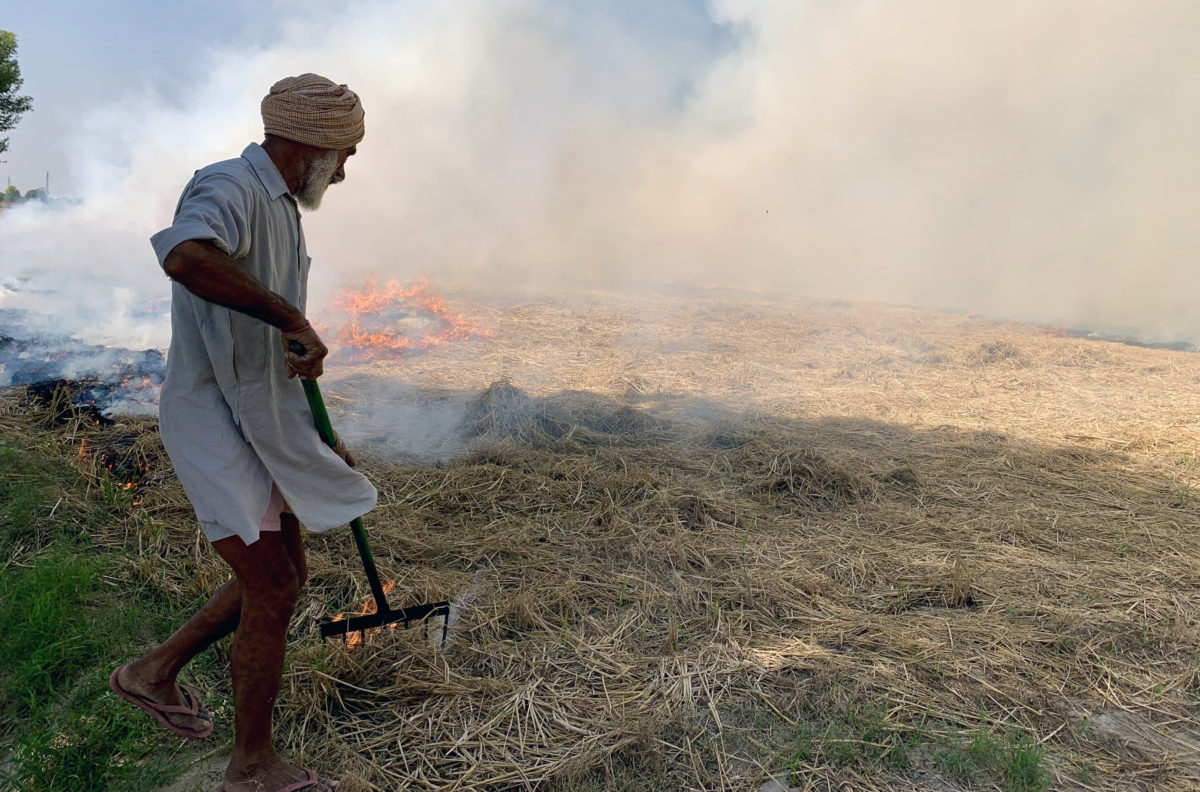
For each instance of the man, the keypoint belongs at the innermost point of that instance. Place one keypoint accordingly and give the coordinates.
(235, 423)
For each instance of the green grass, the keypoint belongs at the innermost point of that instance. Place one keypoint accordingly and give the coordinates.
(1013, 760)
(859, 734)
(63, 630)
(26, 484)
(46, 633)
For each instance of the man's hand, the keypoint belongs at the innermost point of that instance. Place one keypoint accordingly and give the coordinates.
(340, 449)
(210, 274)
(308, 365)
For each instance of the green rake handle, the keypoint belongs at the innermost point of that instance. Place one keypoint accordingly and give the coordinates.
(383, 614)
(325, 430)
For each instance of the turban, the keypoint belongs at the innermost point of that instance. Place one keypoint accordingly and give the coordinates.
(313, 110)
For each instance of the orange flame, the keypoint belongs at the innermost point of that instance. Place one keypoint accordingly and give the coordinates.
(126, 477)
(122, 473)
(355, 639)
(390, 321)
(1053, 332)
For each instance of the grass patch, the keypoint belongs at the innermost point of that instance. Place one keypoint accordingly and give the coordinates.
(89, 743)
(64, 629)
(858, 735)
(1012, 760)
(26, 484)
(47, 634)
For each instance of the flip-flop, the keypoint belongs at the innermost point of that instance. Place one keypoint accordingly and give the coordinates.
(160, 711)
(310, 781)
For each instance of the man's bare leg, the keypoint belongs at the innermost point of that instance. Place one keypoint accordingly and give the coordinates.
(154, 675)
(270, 585)
(293, 542)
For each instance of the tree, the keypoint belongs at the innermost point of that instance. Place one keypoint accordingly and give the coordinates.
(36, 194)
(12, 194)
(12, 106)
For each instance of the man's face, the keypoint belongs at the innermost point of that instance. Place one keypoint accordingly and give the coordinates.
(343, 155)
(325, 169)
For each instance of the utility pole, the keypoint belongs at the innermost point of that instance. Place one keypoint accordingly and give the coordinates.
(47, 184)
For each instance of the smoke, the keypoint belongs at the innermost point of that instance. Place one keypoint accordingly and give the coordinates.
(1024, 160)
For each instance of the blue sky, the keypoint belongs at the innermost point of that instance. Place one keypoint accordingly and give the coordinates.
(77, 55)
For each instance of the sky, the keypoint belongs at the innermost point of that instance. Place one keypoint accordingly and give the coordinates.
(1025, 160)
(77, 56)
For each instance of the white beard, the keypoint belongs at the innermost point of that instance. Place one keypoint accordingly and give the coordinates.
(316, 180)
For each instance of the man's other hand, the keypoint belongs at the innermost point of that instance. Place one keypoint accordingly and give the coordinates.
(309, 365)
(340, 449)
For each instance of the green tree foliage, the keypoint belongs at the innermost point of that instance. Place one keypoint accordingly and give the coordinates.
(12, 194)
(35, 194)
(12, 106)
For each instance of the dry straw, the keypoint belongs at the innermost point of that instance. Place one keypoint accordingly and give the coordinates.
(691, 536)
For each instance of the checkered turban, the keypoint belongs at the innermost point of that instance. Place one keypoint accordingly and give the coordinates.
(314, 110)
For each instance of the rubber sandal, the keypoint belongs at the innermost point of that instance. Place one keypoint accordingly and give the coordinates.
(309, 782)
(160, 711)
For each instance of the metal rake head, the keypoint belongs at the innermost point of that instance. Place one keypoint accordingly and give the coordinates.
(382, 618)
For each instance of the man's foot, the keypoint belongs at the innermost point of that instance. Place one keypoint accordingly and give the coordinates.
(175, 707)
(274, 775)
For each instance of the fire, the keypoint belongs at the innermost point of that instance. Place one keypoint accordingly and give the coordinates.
(125, 474)
(389, 321)
(355, 639)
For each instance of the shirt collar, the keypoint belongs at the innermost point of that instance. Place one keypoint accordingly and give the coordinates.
(266, 171)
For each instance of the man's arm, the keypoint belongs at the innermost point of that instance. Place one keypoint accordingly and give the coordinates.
(208, 273)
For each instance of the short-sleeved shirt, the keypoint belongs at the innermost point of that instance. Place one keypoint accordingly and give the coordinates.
(230, 419)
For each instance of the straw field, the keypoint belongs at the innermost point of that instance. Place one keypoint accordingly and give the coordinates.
(729, 542)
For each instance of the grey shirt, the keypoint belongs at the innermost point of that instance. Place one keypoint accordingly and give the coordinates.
(230, 419)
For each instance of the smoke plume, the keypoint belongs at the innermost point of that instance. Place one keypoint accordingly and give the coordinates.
(1025, 160)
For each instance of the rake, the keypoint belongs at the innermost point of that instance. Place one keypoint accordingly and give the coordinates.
(384, 614)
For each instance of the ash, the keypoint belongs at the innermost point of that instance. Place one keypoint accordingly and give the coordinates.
(106, 380)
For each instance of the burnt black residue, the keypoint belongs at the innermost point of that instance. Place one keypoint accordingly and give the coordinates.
(1093, 335)
(65, 399)
(93, 378)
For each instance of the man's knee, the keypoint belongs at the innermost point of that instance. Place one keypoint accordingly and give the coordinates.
(265, 571)
(275, 588)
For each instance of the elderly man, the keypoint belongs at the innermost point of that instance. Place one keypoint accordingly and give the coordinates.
(235, 422)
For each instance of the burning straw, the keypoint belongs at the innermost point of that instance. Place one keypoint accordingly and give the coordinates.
(391, 320)
(863, 539)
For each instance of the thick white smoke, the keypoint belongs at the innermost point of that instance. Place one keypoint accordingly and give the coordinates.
(1026, 160)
